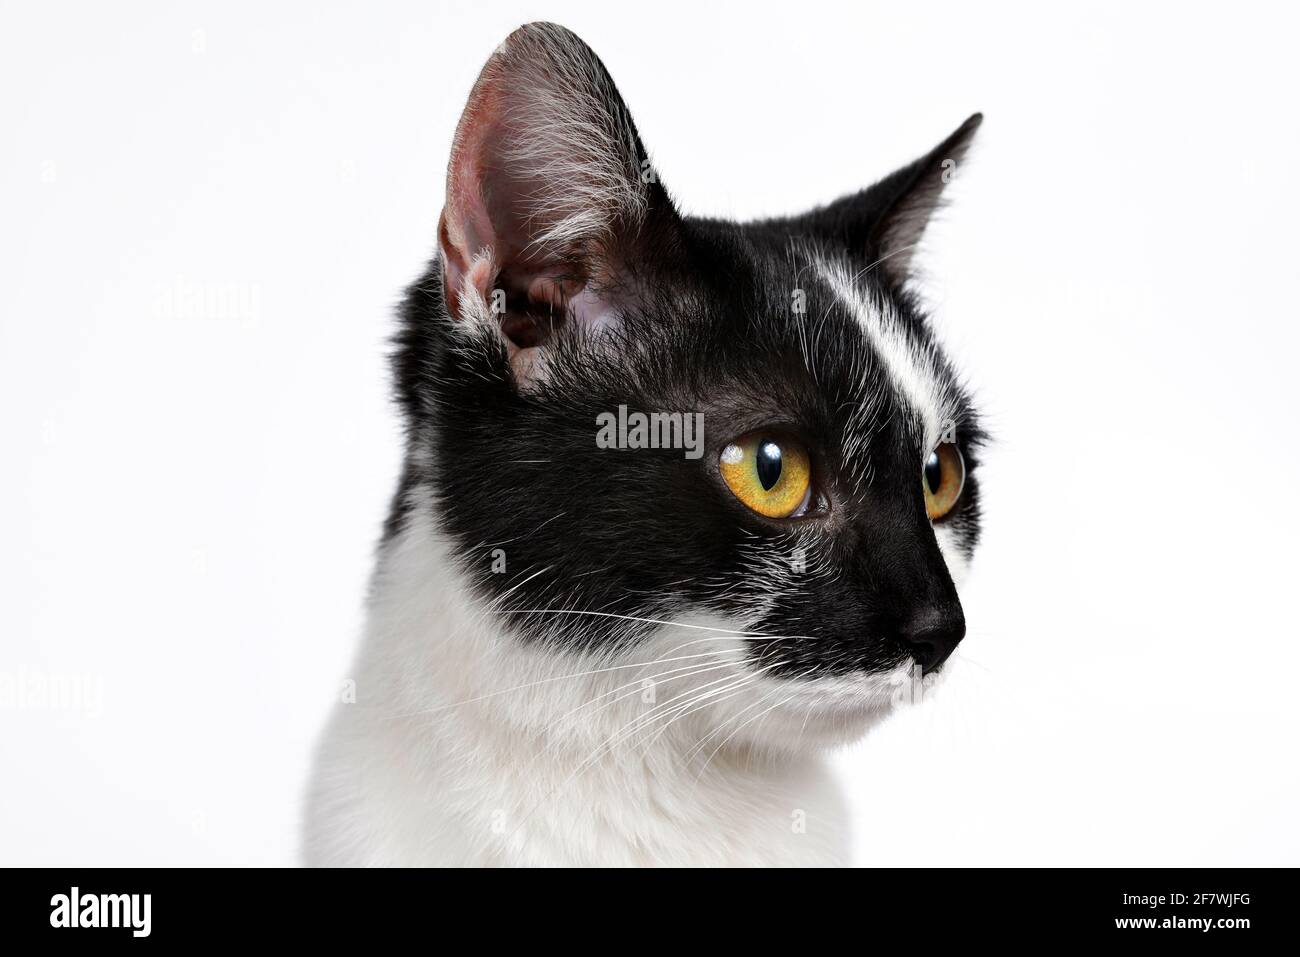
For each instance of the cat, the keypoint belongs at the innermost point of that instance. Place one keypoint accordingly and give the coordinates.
(636, 651)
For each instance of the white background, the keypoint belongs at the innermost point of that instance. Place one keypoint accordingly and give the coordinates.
(208, 211)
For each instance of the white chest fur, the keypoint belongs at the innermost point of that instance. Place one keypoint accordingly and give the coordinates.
(466, 747)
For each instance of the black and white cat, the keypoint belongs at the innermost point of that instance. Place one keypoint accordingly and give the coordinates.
(597, 635)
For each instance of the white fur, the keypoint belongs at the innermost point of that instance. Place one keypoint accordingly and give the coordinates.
(468, 747)
(908, 361)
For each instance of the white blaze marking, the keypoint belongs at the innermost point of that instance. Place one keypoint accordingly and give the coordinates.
(909, 367)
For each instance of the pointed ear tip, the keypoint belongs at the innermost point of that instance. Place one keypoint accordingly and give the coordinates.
(541, 31)
(961, 138)
(540, 45)
(541, 26)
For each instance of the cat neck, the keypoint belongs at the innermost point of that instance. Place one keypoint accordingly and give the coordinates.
(440, 654)
(538, 752)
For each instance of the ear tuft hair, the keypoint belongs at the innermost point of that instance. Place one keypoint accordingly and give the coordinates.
(546, 157)
(586, 158)
(546, 184)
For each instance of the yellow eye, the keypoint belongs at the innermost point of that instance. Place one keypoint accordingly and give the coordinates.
(771, 475)
(942, 479)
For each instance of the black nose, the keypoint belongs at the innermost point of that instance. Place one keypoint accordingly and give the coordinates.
(932, 633)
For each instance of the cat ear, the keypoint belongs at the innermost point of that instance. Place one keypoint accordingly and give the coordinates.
(885, 222)
(549, 192)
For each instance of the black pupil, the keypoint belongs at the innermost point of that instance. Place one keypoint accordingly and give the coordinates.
(933, 473)
(769, 464)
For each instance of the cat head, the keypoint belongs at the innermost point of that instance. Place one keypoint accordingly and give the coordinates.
(642, 430)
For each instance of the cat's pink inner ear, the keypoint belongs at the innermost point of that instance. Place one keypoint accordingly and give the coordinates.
(546, 202)
(469, 239)
(455, 264)
(479, 239)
